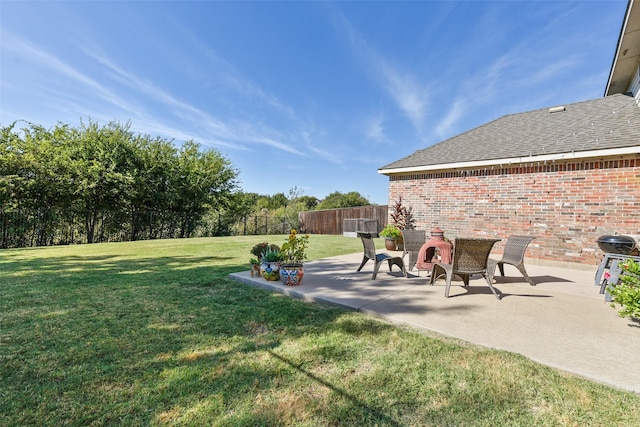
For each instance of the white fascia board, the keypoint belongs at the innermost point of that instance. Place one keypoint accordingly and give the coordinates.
(515, 160)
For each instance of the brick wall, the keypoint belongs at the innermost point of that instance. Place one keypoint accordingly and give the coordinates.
(567, 205)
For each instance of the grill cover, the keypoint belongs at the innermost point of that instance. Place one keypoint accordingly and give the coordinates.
(623, 245)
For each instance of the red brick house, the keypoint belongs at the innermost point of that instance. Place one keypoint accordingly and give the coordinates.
(567, 174)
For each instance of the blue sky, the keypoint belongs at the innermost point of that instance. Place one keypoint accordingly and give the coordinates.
(316, 95)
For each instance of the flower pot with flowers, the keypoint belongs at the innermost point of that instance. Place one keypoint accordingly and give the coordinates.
(294, 252)
(270, 265)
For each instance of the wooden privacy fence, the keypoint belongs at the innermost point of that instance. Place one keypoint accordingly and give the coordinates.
(331, 221)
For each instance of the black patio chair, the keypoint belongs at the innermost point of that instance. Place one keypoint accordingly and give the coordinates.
(378, 258)
(470, 256)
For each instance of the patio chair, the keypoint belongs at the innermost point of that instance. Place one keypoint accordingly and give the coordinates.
(413, 241)
(378, 258)
(513, 254)
(470, 256)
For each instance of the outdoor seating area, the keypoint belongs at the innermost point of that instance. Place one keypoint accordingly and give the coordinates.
(440, 257)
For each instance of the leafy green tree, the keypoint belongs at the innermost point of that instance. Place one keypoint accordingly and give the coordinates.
(104, 179)
(308, 202)
(244, 203)
(271, 203)
(35, 182)
(48, 177)
(155, 164)
(10, 159)
(202, 180)
(102, 167)
(340, 200)
(12, 184)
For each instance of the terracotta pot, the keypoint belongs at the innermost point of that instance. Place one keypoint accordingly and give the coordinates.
(390, 244)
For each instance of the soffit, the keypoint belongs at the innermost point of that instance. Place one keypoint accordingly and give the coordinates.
(627, 57)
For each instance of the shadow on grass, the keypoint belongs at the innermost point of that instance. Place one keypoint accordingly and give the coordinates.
(377, 414)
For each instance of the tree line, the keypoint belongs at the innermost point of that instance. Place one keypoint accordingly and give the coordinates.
(107, 174)
(75, 185)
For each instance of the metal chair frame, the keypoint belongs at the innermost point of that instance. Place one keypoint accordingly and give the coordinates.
(513, 254)
(413, 241)
(378, 258)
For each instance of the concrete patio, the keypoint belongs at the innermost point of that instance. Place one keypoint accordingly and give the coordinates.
(562, 322)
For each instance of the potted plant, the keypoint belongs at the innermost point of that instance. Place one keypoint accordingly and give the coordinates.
(270, 265)
(401, 217)
(255, 267)
(294, 252)
(391, 234)
(260, 248)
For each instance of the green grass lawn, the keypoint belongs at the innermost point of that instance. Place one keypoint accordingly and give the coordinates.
(155, 333)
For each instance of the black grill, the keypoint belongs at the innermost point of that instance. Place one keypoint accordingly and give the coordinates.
(623, 245)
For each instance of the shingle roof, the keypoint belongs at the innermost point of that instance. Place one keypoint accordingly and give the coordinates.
(604, 123)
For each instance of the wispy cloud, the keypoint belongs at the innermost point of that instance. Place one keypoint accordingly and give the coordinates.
(331, 156)
(233, 78)
(183, 110)
(32, 53)
(455, 113)
(409, 94)
(334, 156)
(549, 71)
(375, 128)
(201, 125)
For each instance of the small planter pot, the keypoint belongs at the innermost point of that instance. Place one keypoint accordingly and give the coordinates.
(390, 244)
(270, 270)
(291, 274)
(255, 270)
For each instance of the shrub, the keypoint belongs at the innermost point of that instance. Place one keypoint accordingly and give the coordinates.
(627, 292)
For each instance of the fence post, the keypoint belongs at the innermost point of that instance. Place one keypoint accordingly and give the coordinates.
(265, 212)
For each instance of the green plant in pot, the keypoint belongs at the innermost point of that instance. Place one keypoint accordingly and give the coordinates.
(260, 248)
(391, 234)
(270, 265)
